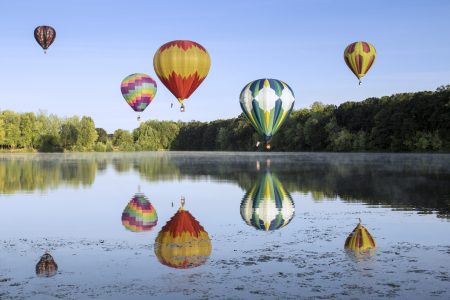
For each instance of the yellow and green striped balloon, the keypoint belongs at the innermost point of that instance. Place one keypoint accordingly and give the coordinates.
(267, 104)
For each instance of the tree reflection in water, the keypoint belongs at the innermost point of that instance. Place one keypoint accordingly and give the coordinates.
(402, 181)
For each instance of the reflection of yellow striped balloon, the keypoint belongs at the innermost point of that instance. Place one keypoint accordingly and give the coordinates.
(360, 239)
(181, 66)
(359, 57)
(183, 243)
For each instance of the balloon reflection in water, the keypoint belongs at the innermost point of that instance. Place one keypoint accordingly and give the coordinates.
(46, 267)
(267, 205)
(183, 243)
(139, 215)
(360, 242)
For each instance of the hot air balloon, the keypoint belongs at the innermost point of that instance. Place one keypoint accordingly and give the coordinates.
(138, 90)
(182, 66)
(45, 35)
(46, 267)
(360, 239)
(139, 215)
(183, 243)
(267, 104)
(359, 57)
(267, 205)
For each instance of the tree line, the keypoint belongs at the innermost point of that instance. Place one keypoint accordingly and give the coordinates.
(406, 122)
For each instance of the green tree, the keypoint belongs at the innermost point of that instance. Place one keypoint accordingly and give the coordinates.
(123, 140)
(360, 141)
(147, 138)
(27, 123)
(69, 135)
(222, 139)
(343, 141)
(2, 131)
(87, 133)
(12, 128)
(102, 135)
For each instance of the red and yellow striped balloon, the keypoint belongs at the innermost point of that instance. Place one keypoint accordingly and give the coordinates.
(359, 57)
(360, 239)
(181, 66)
(183, 243)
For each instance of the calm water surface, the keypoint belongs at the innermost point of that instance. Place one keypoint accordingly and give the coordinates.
(71, 205)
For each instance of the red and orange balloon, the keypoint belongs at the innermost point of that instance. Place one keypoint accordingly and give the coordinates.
(182, 66)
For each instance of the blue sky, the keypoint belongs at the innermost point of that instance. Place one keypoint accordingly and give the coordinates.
(98, 43)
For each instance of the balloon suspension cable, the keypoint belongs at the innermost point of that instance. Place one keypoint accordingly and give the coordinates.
(359, 220)
(182, 201)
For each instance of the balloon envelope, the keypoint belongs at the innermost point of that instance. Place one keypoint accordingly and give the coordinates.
(359, 57)
(138, 90)
(139, 215)
(46, 267)
(181, 66)
(267, 205)
(360, 239)
(267, 104)
(183, 243)
(44, 35)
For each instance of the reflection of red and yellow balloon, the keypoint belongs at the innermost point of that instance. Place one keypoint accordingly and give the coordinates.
(139, 215)
(181, 66)
(183, 243)
(46, 267)
(360, 239)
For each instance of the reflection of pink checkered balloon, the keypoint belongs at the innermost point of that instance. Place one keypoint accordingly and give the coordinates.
(139, 215)
(138, 90)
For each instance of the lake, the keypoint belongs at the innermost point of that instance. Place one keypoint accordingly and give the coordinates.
(255, 225)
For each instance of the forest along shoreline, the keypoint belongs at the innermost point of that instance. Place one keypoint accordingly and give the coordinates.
(406, 122)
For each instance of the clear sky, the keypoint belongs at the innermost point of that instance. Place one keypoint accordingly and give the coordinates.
(98, 43)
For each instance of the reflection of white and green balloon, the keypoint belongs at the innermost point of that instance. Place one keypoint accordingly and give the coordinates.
(267, 205)
(267, 104)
